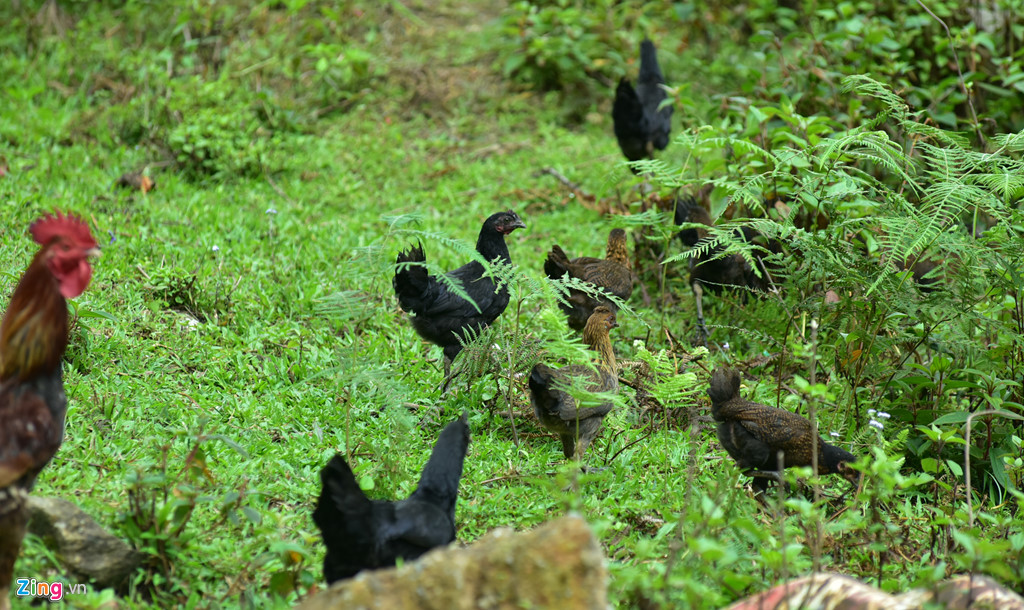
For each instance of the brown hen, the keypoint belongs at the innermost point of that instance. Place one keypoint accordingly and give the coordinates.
(613, 274)
(556, 409)
(754, 434)
(711, 269)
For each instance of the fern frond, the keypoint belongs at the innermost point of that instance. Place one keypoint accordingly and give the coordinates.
(740, 147)
(863, 84)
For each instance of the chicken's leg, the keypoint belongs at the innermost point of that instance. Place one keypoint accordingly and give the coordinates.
(12, 531)
(702, 330)
(449, 377)
(765, 474)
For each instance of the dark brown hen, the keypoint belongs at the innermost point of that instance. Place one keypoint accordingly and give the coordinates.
(612, 273)
(33, 336)
(753, 434)
(711, 269)
(443, 317)
(557, 409)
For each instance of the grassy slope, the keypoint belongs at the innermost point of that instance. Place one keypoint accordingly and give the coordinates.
(291, 374)
(265, 373)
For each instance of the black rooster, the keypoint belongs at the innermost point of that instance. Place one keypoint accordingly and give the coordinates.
(441, 316)
(640, 127)
(363, 534)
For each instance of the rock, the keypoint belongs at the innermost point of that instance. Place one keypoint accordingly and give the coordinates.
(558, 565)
(84, 548)
(825, 591)
(963, 592)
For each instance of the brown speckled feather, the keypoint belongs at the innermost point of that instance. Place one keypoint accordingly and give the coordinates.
(556, 409)
(612, 273)
(753, 434)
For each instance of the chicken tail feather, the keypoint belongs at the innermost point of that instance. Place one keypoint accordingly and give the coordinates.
(439, 480)
(650, 71)
(557, 263)
(411, 281)
(340, 496)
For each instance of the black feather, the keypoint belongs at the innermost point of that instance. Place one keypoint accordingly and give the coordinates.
(363, 534)
(441, 316)
(641, 123)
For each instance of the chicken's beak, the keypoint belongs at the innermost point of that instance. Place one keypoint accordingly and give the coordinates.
(518, 224)
(93, 253)
(613, 323)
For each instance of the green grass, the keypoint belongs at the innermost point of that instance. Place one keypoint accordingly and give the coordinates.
(241, 328)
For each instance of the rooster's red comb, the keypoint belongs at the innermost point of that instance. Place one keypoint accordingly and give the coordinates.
(59, 224)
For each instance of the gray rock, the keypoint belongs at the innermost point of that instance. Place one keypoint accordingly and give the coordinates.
(85, 549)
(559, 566)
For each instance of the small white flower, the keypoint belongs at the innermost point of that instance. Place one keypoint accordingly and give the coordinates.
(216, 248)
(876, 424)
(871, 412)
(271, 211)
(637, 344)
(834, 434)
(725, 346)
(883, 415)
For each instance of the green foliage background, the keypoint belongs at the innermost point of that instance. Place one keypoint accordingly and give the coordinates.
(241, 326)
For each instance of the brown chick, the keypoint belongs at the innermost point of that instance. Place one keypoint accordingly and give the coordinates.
(137, 181)
(754, 434)
(612, 273)
(556, 409)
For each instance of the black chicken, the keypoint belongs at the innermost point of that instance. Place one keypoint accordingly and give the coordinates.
(640, 127)
(712, 270)
(611, 273)
(556, 409)
(441, 316)
(754, 434)
(363, 534)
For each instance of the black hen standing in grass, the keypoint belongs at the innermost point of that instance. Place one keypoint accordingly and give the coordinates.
(612, 273)
(556, 409)
(640, 126)
(754, 434)
(363, 534)
(443, 317)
